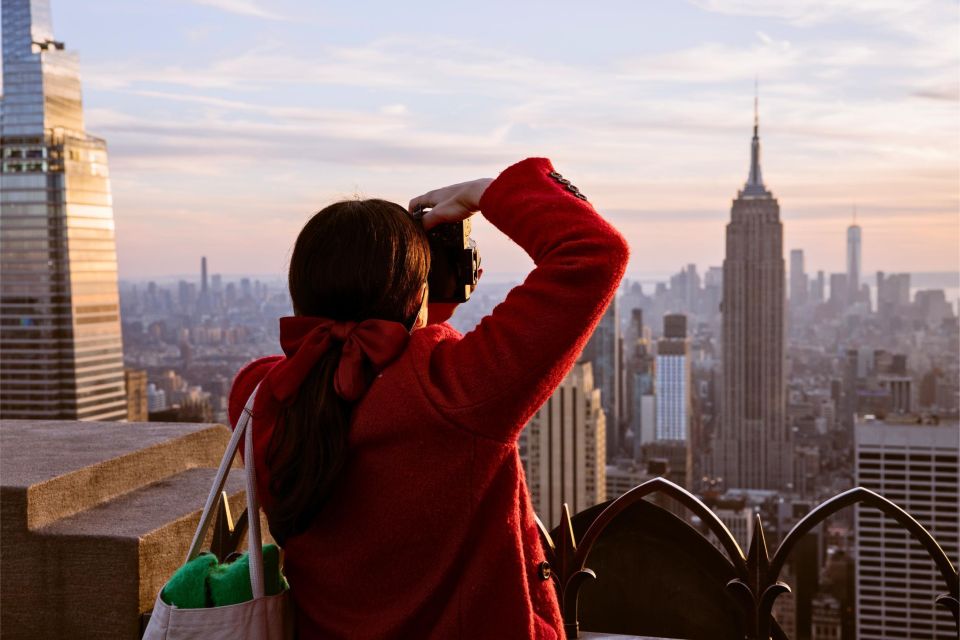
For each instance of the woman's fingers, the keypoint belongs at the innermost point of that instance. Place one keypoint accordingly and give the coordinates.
(446, 211)
(450, 204)
(426, 200)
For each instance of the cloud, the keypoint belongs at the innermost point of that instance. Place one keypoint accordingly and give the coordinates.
(665, 133)
(890, 13)
(241, 7)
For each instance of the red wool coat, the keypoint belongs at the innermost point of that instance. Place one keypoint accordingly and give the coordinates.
(431, 533)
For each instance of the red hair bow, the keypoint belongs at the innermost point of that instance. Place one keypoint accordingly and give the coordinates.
(305, 340)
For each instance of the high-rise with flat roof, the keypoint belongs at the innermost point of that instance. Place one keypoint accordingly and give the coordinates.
(604, 351)
(799, 286)
(673, 380)
(61, 354)
(753, 448)
(853, 261)
(563, 448)
(915, 466)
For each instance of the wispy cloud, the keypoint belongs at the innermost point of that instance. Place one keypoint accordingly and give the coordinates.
(241, 7)
(866, 113)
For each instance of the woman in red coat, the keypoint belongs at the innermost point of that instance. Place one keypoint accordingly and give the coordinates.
(386, 445)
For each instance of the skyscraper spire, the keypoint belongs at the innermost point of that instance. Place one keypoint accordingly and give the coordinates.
(754, 186)
(752, 443)
(756, 106)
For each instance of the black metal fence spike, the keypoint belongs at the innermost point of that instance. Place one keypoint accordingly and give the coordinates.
(758, 559)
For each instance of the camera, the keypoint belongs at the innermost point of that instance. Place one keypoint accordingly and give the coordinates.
(454, 260)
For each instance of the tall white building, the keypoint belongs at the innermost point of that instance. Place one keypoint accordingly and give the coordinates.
(673, 380)
(564, 448)
(915, 466)
(61, 353)
(853, 261)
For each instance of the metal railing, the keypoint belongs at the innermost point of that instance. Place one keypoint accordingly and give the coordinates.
(756, 583)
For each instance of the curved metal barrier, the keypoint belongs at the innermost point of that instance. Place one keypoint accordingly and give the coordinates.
(756, 585)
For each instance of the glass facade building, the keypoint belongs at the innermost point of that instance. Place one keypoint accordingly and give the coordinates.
(673, 397)
(61, 353)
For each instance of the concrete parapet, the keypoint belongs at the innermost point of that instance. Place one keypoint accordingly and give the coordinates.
(95, 517)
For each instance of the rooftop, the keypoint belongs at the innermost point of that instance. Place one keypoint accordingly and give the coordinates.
(97, 516)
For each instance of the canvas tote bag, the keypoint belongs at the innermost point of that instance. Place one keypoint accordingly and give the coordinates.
(264, 617)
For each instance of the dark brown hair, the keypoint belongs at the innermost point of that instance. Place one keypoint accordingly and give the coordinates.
(353, 260)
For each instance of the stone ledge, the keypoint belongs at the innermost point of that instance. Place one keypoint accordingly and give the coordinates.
(95, 517)
(35, 451)
(52, 470)
(141, 512)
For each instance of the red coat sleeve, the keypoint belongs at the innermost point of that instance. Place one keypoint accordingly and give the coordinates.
(493, 379)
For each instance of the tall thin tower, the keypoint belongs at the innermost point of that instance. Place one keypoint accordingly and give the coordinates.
(61, 354)
(853, 259)
(604, 350)
(752, 449)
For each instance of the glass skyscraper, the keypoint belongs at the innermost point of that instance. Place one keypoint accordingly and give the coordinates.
(673, 380)
(61, 354)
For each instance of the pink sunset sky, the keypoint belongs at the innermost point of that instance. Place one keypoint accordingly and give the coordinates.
(230, 122)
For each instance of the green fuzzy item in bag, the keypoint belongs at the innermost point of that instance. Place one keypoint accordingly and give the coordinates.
(187, 588)
(230, 583)
(203, 582)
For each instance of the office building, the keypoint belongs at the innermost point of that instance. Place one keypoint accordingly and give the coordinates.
(839, 291)
(673, 380)
(893, 293)
(641, 408)
(156, 398)
(826, 622)
(563, 448)
(61, 354)
(752, 448)
(626, 475)
(138, 404)
(853, 261)
(915, 466)
(799, 287)
(818, 289)
(604, 351)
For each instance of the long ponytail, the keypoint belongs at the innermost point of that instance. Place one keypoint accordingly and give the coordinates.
(354, 260)
(307, 452)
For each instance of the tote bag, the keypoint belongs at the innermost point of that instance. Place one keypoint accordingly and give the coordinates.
(262, 618)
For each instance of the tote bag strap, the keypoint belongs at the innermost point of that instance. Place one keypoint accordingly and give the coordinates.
(243, 429)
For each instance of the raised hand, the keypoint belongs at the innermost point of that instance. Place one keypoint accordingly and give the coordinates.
(451, 204)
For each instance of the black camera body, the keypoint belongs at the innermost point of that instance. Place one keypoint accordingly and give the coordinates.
(454, 261)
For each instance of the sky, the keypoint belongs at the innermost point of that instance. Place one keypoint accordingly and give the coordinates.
(230, 122)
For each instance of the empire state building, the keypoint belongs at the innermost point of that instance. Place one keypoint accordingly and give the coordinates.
(752, 448)
(61, 354)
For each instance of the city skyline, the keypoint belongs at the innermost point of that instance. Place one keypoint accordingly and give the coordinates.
(710, 391)
(209, 138)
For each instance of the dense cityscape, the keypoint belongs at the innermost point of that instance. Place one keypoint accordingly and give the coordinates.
(763, 385)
